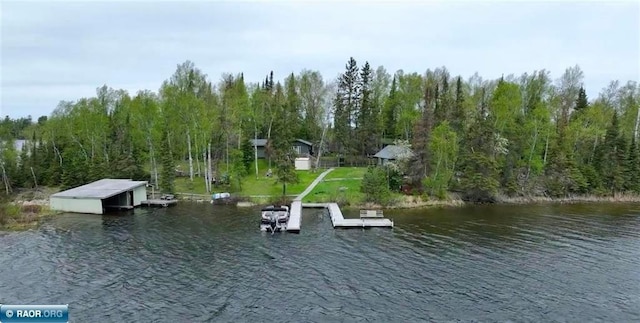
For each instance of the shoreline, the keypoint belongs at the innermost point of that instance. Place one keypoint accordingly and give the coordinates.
(23, 214)
(416, 202)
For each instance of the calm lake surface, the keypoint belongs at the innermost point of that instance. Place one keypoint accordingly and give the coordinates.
(198, 262)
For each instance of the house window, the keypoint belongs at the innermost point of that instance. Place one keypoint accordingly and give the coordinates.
(297, 149)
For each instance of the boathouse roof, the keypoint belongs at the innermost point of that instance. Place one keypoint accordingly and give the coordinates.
(101, 189)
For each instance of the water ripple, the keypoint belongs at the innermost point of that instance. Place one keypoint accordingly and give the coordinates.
(200, 263)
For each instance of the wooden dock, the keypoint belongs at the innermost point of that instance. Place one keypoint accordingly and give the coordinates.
(159, 202)
(367, 218)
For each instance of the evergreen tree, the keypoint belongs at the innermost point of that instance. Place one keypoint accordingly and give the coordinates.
(367, 118)
(445, 100)
(341, 123)
(293, 106)
(581, 103)
(42, 160)
(247, 154)
(73, 169)
(346, 108)
(54, 171)
(390, 111)
(98, 169)
(439, 112)
(512, 164)
(238, 167)
(270, 83)
(281, 142)
(479, 168)
(375, 186)
(621, 156)
(613, 158)
(563, 175)
(633, 167)
(24, 169)
(420, 160)
(458, 115)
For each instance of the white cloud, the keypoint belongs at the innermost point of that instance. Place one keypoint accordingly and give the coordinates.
(62, 51)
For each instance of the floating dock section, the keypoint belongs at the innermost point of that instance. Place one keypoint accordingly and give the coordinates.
(295, 216)
(339, 221)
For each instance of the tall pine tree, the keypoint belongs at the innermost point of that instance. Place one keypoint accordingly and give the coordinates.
(293, 106)
(479, 168)
(612, 169)
(390, 112)
(282, 139)
(633, 168)
(346, 108)
(420, 160)
(581, 103)
(367, 118)
(458, 115)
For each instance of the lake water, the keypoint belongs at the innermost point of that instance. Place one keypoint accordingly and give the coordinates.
(199, 263)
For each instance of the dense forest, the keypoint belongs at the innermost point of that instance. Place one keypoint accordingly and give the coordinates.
(527, 135)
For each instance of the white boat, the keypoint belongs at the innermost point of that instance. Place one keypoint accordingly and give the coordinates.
(218, 196)
(221, 198)
(274, 219)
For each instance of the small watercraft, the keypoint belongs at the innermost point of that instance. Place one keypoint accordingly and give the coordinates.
(274, 219)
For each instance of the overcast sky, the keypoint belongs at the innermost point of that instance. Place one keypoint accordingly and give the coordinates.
(53, 51)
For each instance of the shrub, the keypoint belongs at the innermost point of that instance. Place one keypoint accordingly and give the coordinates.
(375, 186)
(8, 213)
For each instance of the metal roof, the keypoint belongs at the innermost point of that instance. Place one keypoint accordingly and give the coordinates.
(305, 142)
(263, 142)
(258, 142)
(391, 152)
(101, 189)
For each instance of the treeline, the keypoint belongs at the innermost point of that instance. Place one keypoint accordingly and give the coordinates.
(517, 135)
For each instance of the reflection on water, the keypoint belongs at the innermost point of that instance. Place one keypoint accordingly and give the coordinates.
(198, 262)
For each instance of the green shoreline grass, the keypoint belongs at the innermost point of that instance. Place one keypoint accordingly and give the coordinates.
(19, 217)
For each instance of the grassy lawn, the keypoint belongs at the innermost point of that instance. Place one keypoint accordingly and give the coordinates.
(342, 185)
(184, 185)
(347, 172)
(267, 186)
(251, 186)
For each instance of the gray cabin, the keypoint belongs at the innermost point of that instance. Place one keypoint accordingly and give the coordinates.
(300, 146)
(391, 153)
